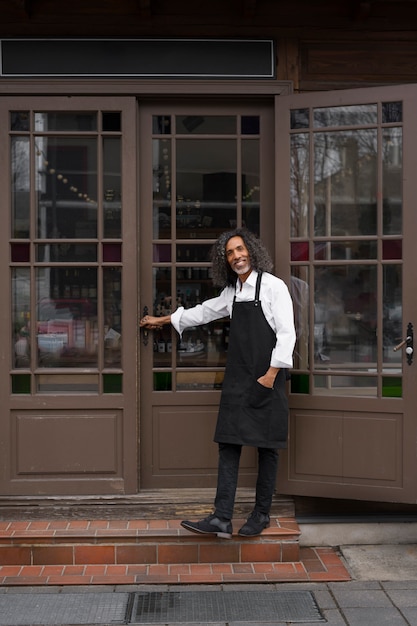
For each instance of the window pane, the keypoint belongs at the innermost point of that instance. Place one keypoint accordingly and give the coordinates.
(66, 121)
(67, 383)
(346, 385)
(66, 317)
(345, 316)
(20, 187)
(20, 120)
(347, 250)
(21, 383)
(345, 183)
(250, 125)
(112, 290)
(299, 288)
(66, 188)
(392, 313)
(112, 187)
(392, 180)
(252, 184)
(21, 317)
(206, 197)
(300, 179)
(206, 125)
(345, 115)
(111, 121)
(300, 118)
(392, 112)
(66, 252)
(162, 176)
(199, 381)
(161, 124)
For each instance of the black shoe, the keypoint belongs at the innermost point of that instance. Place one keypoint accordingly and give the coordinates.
(211, 525)
(254, 525)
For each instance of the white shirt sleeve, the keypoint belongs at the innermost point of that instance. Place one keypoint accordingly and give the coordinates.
(209, 310)
(278, 310)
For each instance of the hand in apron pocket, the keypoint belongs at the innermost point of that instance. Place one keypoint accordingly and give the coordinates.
(259, 395)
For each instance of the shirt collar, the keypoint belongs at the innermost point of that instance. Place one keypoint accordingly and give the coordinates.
(251, 280)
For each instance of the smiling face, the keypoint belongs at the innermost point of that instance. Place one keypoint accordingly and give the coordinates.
(237, 256)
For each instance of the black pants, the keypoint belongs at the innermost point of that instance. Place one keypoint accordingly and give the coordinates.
(229, 457)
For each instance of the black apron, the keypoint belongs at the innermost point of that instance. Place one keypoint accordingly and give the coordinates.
(249, 413)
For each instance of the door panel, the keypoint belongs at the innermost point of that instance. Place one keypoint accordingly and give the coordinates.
(68, 251)
(349, 188)
(204, 169)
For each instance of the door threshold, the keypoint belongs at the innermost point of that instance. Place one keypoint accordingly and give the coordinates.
(148, 504)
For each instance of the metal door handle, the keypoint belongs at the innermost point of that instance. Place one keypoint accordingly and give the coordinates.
(409, 343)
(145, 331)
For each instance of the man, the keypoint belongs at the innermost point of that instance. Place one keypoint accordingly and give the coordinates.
(253, 406)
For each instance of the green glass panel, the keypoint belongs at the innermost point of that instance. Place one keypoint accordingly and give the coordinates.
(300, 383)
(162, 381)
(21, 383)
(392, 387)
(112, 383)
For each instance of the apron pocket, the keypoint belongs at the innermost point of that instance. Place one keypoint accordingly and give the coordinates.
(259, 395)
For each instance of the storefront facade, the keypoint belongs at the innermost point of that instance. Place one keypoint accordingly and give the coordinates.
(123, 158)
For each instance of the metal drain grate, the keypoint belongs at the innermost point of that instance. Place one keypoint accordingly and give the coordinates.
(43, 609)
(228, 606)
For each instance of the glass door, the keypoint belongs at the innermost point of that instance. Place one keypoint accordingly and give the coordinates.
(350, 185)
(205, 178)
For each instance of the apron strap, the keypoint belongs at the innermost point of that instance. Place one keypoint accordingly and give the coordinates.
(257, 289)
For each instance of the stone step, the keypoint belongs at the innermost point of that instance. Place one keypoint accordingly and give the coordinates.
(157, 541)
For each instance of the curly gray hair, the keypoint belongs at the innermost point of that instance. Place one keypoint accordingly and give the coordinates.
(260, 260)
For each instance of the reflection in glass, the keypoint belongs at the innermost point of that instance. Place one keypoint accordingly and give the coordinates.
(162, 305)
(347, 250)
(20, 187)
(392, 112)
(345, 316)
(68, 383)
(193, 252)
(112, 302)
(199, 381)
(20, 252)
(345, 174)
(345, 115)
(206, 202)
(66, 252)
(161, 124)
(300, 118)
(21, 383)
(392, 313)
(392, 387)
(251, 176)
(352, 385)
(392, 179)
(300, 294)
(66, 187)
(162, 176)
(66, 121)
(66, 317)
(206, 125)
(112, 188)
(21, 325)
(300, 179)
(20, 121)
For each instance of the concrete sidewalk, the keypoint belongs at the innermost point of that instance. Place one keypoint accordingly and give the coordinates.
(356, 603)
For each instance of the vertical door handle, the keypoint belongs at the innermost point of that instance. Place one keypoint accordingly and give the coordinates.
(408, 342)
(145, 331)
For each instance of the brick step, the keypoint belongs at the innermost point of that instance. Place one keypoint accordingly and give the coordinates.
(140, 542)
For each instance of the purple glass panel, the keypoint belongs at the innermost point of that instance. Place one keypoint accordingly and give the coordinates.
(112, 252)
(392, 249)
(20, 252)
(299, 251)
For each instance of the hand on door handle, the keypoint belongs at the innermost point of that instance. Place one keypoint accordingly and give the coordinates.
(409, 343)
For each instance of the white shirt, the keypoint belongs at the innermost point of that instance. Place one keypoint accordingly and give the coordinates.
(276, 306)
